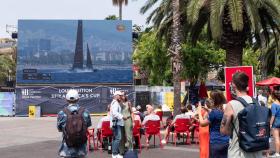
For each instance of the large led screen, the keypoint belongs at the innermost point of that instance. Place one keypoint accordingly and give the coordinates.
(74, 51)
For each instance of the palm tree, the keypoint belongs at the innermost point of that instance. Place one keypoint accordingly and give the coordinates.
(120, 3)
(233, 22)
(167, 20)
(175, 53)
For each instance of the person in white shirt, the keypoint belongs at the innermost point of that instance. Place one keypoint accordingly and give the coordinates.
(136, 115)
(261, 99)
(171, 128)
(150, 115)
(99, 125)
(117, 124)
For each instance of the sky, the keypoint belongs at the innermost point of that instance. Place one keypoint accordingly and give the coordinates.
(12, 10)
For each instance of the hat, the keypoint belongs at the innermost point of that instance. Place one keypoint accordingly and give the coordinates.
(118, 93)
(72, 95)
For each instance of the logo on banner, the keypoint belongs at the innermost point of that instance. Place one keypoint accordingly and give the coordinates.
(25, 92)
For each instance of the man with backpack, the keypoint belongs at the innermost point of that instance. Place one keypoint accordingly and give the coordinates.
(245, 121)
(73, 122)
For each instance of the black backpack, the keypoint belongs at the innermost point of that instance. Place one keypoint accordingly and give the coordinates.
(254, 129)
(75, 132)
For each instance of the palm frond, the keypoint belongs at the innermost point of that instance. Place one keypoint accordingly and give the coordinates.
(193, 10)
(263, 22)
(199, 25)
(148, 5)
(152, 14)
(253, 14)
(216, 12)
(236, 14)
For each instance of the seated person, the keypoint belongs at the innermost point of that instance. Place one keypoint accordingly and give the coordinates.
(170, 128)
(151, 116)
(99, 125)
(136, 116)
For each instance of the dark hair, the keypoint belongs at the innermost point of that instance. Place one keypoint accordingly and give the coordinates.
(125, 98)
(218, 98)
(240, 79)
(183, 109)
(276, 93)
(189, 107)
(208, 103)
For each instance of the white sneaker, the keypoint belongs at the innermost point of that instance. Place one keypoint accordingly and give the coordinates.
(114, 156)
(163, 141)
(119, 156)
(275, 155)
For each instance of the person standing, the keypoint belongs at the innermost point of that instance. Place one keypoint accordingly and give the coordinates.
(128, 124)
(218, 142)
(73, 122)
(171, 127)
(117, 124)
(203, 133)
(261, 98)
(275, 120)
(230, 122)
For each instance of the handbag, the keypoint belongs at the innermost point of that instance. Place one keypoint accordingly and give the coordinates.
(276, 122)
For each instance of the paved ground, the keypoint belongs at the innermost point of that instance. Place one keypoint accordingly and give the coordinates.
(38, 138)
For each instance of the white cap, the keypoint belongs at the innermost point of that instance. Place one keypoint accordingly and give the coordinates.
(72, 95)
(118, 93)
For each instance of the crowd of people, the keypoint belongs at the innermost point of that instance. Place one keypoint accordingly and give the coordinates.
(216, 120)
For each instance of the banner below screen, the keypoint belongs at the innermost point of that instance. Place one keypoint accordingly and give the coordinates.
(52, 99)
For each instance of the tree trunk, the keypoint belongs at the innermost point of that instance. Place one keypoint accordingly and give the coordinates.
(120, 10)
(175, 52)
(234, 56)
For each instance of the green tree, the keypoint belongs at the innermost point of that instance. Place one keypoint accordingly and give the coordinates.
(7, 68)
(111, 17)
(151, 55)
(120, 3)
(201, 59)
(233, 22)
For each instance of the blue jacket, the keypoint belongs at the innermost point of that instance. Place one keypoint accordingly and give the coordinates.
(64, 150)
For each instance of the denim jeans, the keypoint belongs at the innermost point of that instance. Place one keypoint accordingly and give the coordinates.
(117, 135)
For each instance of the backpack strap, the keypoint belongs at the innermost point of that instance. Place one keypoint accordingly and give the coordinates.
(67, 111)
(242, 101)
(81, 110)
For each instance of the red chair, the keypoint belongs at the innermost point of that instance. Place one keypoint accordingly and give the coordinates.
(152, 128)
(105, 132)
(90, 134)
(136, 132)
(182, 126)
